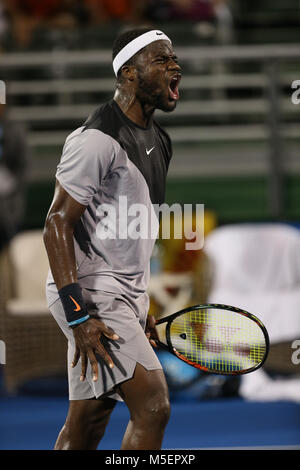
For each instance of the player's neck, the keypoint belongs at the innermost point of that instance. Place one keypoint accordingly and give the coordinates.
(133, 108)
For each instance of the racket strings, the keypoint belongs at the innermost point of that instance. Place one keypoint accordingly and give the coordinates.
(220, 340)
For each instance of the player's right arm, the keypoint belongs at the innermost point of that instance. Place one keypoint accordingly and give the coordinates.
(62, 217)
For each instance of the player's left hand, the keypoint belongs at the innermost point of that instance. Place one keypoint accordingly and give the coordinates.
(150, 330)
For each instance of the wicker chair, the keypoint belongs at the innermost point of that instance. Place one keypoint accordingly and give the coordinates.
(35, 346)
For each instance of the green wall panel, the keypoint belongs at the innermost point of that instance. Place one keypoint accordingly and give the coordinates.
(233, 199)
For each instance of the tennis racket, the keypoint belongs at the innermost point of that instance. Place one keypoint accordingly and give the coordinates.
(215, 338)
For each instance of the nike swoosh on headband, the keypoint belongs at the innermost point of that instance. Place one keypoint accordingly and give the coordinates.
(136, 45)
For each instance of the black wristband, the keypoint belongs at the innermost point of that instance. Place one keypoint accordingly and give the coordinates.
(73, 304)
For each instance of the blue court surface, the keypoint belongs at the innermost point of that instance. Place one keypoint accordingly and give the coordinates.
(33, 422)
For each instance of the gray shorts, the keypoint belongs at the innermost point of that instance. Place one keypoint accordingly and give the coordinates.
(132, 347)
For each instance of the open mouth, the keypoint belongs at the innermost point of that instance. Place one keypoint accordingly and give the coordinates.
(173, 87)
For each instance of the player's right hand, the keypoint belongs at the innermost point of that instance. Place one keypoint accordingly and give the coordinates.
(88, 343)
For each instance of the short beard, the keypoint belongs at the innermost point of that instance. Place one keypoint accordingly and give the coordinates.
(146, 96)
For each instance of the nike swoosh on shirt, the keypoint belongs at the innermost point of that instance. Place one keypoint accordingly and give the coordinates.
(76, 305)
(149, 151)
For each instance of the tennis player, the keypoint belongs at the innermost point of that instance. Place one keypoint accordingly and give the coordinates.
(96, 288)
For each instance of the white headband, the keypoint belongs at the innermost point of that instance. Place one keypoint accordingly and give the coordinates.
(136, 45)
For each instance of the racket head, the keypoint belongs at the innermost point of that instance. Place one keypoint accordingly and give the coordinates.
(218, 338)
